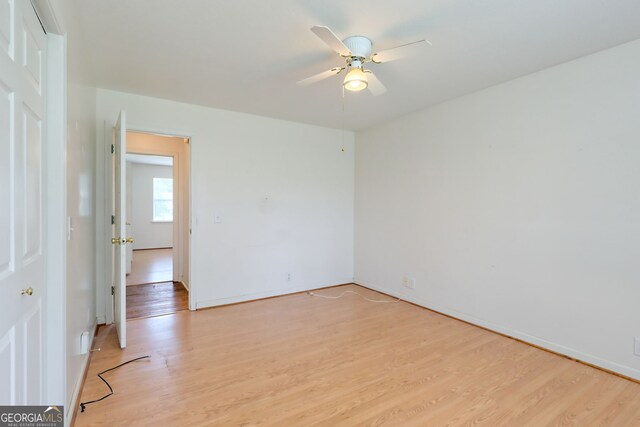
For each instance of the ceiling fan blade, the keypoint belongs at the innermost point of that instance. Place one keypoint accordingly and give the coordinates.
(320, 76)
(331, 40)
(397, 52)
(375, 86)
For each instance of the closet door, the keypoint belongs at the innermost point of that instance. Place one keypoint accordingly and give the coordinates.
(22, 263)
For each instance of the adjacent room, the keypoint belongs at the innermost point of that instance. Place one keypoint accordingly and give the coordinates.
(296, 213)
(149, 263)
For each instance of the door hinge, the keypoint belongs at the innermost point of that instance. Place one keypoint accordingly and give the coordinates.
(113, 148)
(113, 290)
(113, 219)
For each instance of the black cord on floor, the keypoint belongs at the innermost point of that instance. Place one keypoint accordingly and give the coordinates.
(83, 405)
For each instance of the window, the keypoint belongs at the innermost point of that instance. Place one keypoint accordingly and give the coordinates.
(162, 199)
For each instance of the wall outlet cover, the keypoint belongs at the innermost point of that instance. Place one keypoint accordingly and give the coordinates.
(409, 282)
(84, 343)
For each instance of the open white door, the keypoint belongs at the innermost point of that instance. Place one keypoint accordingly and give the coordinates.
(119, 239)
(22, 194)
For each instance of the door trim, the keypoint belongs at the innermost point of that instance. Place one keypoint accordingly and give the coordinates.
(133, 127)
(56, 226)
(103, 258)
(55, 205)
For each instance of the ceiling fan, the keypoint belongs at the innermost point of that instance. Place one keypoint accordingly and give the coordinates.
(356, 51)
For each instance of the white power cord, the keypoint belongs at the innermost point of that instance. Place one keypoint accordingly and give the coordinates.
(313, 294)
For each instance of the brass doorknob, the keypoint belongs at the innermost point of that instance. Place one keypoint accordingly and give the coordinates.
(28, 291)
(121, 241)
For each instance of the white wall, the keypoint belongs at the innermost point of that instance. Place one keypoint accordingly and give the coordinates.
(516, 208)
(283, 191)
(81, 289)
(146, 233)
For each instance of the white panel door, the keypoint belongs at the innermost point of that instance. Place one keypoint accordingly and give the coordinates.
(22, 268)
(120, 229)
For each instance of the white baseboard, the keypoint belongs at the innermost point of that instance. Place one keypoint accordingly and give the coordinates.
(77, 388)
(269, 293)
(558, 348)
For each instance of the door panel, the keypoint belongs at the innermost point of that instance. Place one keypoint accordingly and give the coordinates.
(22, 262)
(7, 247)
(32, 153)
(8, 367)
(32, 59)
(6, 27)
(120, 228)
(32, 349)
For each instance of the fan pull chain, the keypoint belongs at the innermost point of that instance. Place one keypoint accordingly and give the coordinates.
(342, 127)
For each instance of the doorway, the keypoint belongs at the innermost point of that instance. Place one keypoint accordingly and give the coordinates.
(156, 208)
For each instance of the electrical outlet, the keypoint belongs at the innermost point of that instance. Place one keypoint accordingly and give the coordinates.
(408, 282)
(636, 347)
(288, 277)
(84, 343)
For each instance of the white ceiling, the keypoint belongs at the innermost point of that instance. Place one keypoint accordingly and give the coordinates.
(147, 159)
(246, 55)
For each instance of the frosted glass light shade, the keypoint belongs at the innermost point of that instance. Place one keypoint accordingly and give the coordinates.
(355, 80)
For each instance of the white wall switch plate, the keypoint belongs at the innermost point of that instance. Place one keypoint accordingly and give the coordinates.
(84, 343)
(636, 347)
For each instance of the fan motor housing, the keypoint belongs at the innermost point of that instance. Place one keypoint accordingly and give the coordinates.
(359, 46)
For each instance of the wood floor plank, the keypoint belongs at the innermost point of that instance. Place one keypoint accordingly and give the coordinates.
(300, 360)
(156, 299)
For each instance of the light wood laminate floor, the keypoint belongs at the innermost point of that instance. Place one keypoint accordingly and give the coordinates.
(151, 266)
(300, 360)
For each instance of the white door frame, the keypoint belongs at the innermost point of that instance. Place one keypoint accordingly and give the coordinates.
(55, 221)
(104, 263)
(179, 239)
(56, 226)
(108, 209)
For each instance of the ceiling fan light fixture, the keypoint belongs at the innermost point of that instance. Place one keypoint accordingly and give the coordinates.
(355, 80)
